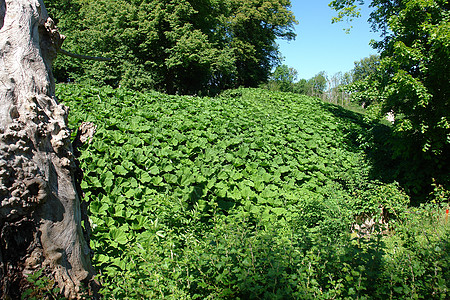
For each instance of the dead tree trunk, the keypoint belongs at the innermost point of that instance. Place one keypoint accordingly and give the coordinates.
(40, 217)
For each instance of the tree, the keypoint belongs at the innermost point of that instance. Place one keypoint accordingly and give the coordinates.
(412, 77)
(337, 87)
(253, 28)
(302, 87)
(173, 45)
(314, 87)
(318, 84)
(363, 88)
(283, 78)
(40, 215)
(366, 67)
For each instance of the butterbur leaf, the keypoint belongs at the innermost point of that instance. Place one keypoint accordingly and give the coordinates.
(118, 235)
(236, 176)
(84, 185)
(135, 141)
(119, 263)
(131, 193)
(141, 158)
(102, 258)
(279, 211)
(133, 182)
(119, 169)
(222, 175)
(266, 177)
(284, 169)
(222, 192)
(243, 151)
(234, 194)
(100, 146)
(187, 179)
(168, 168)
(154, 170)
(211, 183)
(128, 165)
(145, 177)
(108, 183)
(246, 193)
(259, 185)
(145, 237)
(170, 178)
(94, 182)
(157, 180)
(95, 207)
(118, 210)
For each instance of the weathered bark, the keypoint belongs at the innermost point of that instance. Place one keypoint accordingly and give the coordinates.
(40, 217)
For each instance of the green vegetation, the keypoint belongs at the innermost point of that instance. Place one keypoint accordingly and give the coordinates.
(249, 195)
(258, 194)
(411, 81)
(408, 82)
(284, 79)
(41, 287)
(175, 46)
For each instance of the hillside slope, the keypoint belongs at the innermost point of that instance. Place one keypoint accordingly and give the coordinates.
(251, 194)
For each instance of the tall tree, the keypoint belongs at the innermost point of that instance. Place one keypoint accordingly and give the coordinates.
(40, 215)
(302, 87)
(337, 87)
(284, 78)
(363, 89)
(366, 67)
(176, 46)
(318, 84)
(412, 78)
(253, 27)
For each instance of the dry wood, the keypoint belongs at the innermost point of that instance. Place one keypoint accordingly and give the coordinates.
(40, 215)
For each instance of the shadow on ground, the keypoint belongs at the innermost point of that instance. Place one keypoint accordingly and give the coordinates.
(415, 173)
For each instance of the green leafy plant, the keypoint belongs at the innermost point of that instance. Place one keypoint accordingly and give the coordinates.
(251, 194)
(42, 287)
(183, 47)
(410, 82)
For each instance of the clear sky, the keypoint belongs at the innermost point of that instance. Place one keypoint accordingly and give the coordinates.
(322, 46)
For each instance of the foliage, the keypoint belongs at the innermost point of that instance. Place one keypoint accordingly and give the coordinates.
(314, 87)
(412, 80)
(419, 252)
(363, 89)
(174, 46)
(366, 67)
(42, 287)
(332, 89)
(248, 195)
(338, 92)
(283, 79)
(318, 84)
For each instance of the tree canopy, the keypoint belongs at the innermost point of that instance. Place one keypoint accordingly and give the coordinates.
(365, 67)
(172, 45)
(412, 79)
(283, 78)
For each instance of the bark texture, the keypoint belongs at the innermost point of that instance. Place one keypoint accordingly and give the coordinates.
(40, 217)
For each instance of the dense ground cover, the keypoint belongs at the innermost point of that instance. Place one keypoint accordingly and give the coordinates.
(248, 195)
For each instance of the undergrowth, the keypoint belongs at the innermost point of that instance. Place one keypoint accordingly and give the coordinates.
(250, 195)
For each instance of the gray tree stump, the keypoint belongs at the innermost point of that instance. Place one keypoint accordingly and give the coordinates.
(40, 216)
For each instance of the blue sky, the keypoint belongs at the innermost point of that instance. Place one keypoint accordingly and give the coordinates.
(322, 46)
